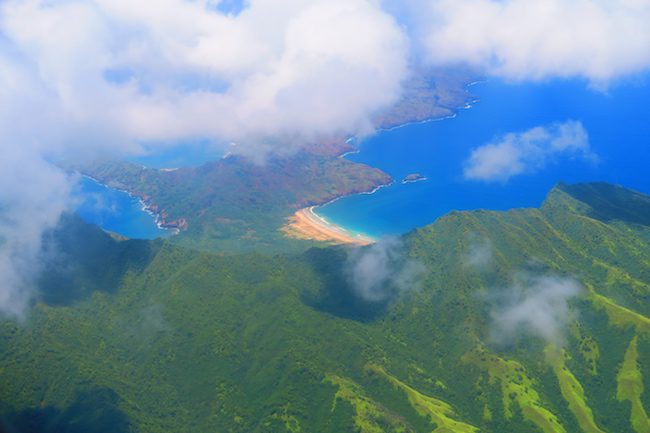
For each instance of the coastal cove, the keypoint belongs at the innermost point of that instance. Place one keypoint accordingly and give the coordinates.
(116, 211)
(439, 149)
(306, 224)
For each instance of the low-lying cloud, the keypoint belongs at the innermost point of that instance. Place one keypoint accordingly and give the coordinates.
(537, 306)
(382, 270)
(528, 152)
(25, 213)
(480, 252)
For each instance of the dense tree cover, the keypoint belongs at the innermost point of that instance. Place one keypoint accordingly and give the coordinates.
(156, 337)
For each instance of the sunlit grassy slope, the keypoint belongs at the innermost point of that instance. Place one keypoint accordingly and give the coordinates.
(153, 337)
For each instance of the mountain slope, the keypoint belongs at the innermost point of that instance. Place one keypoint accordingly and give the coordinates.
(191, 341)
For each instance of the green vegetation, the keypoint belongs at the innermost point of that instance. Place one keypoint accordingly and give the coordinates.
(630, 388)
(169, 338)
(440, 413)
(621, 316)
(369, 416)
(588, 349)
(516, 387)
(572, 391)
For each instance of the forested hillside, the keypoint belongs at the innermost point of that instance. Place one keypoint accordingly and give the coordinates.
(532, 320)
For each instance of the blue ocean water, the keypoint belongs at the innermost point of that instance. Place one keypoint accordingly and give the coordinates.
(115, 211)
(118, 212)
(617, 121)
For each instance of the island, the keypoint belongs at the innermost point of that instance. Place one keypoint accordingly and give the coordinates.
(413, 177)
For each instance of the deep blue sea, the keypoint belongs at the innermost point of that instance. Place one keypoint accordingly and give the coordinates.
(617, 121)
(115, 211)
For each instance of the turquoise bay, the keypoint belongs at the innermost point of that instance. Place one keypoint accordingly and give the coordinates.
(115, 211)
(617, 121)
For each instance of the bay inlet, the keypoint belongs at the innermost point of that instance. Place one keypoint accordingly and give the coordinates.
(617, 123)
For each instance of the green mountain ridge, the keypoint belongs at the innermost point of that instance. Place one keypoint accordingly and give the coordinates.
(193, 341)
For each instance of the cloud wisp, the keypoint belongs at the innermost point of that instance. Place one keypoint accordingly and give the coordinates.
(480, 252)
(381, 271)
(537, 306)
(528, 152)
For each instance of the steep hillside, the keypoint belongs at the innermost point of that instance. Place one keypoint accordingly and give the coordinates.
(532, 320)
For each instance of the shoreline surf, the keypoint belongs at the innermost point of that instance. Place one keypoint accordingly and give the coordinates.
(144, 206)
(303, 232)
(307, 224)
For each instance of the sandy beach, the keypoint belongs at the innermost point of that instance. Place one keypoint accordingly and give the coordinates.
(305, 224)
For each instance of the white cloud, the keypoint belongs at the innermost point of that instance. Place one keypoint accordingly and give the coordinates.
(527, 152)
(531, 39)
(381, 271)
(536, 305)
(480, 252)
(32, 197)
(294, 67)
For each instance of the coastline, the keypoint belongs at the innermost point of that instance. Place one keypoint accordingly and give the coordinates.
(307, 224)
(420, 179)
(317, 228)
(453, 115)
(144, 206)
